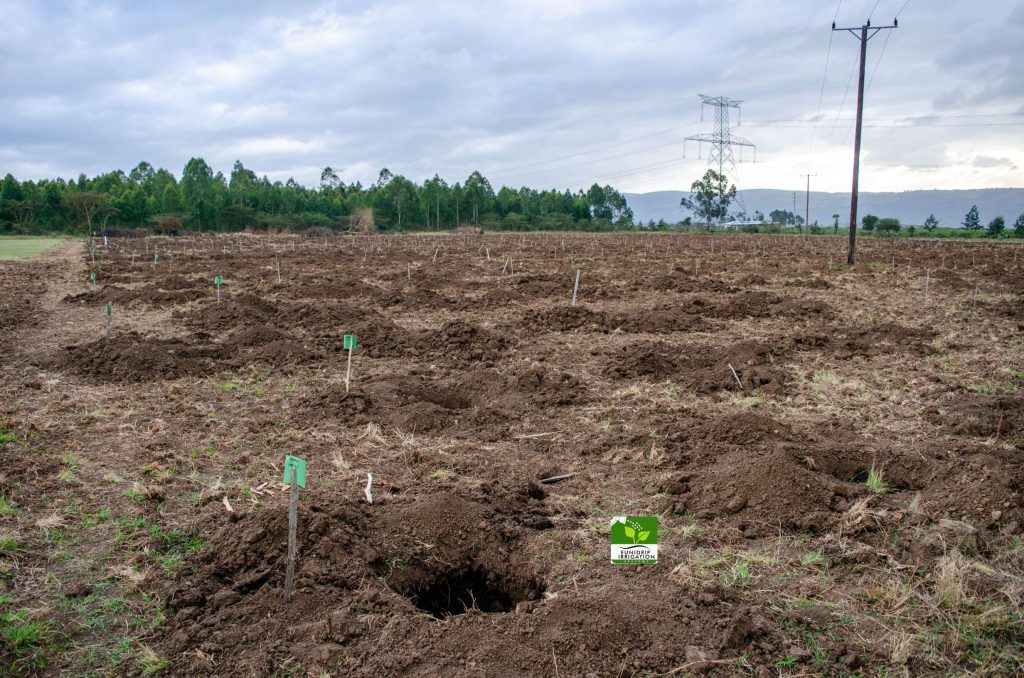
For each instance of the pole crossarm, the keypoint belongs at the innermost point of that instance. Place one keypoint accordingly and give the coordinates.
(714, 139)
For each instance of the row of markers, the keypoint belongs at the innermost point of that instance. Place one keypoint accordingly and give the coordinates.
(294, 467)
(348, 343)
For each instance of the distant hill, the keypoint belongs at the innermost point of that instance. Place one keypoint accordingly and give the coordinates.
(910, 207)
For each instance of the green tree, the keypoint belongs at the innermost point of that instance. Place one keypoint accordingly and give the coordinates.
(197, 191)
(888, 225)
(87, 205)
(931, 223)
(835, 226)
(710, 197)
(996, 227)
(869, 222)
(1018, 227)
(480, 194)
(401, 194)
(971, 220)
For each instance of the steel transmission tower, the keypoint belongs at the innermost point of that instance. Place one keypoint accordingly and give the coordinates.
(721, 140)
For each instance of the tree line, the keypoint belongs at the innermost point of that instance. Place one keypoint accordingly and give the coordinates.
(206, 200)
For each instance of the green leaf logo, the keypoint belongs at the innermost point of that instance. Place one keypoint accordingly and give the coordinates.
(644, 535)
(630, 532)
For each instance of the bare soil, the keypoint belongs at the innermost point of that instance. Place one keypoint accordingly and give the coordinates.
(833, 454)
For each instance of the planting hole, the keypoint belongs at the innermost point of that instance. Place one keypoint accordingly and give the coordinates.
(471, 588)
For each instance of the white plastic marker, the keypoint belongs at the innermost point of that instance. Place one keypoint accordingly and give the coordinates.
(369, 488)
(575, 287)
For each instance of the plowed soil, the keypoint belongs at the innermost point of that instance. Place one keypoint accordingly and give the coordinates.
(833, 453)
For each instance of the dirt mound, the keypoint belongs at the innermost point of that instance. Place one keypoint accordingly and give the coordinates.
(701, 369)
(812, 282)
(357, 564)
(536, 286)
(658, 320)
(256, 335)
(977, 414)
(681, 281)
(327, 324)
(133, 357)
(562, 319)
(481, 401)
(756, 473)
(462, 340)
(420, 298)
(231, 312)
(154, 294)
(656, 360)
(756, 305)
(850, 342)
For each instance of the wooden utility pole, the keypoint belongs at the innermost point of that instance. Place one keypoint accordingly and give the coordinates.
(864, 33)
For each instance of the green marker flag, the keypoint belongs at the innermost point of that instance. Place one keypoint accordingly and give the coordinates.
(92, 276)
(218, 281)
(350, 342)
(299, 465)
(108, 308)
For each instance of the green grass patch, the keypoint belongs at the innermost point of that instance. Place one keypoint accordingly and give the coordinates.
(15, 247)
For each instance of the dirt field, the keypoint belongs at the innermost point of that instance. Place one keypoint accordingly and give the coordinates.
(848, 503)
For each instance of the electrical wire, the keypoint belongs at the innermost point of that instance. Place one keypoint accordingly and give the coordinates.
(824, 76)
(588, 151)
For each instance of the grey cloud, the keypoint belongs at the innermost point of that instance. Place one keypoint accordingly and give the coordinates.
(456, 86)
(987, 161)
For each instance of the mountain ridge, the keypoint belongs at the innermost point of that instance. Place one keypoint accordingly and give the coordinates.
(910, 207)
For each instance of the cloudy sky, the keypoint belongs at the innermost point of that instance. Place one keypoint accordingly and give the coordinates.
(545, 93)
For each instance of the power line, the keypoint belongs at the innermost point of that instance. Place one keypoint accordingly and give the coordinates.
(839, 110)
(588, 151)
(824, 76)
(587, 162)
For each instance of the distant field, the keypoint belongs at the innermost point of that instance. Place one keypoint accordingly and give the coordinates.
(15, 247)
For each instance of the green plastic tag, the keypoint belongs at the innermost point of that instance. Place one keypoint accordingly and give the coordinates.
(299, 465)
(350, 342)
(218, 281)
(92, 277)
(108, 308)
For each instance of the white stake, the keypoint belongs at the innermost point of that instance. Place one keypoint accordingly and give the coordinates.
(737, 377)
(575, 287)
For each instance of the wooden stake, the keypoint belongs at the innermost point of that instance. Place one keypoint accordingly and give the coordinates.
(575, 287)
(278, 261)
(293, 524)
(927, 279)
(348, 372)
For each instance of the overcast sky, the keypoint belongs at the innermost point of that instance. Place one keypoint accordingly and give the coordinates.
(544, 93)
